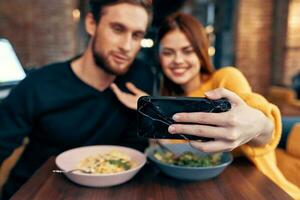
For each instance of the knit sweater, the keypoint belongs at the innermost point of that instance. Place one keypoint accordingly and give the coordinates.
(263, 157)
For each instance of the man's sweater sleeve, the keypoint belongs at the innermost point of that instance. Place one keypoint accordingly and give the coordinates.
(16, 117)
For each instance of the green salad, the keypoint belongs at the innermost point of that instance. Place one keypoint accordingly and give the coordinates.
(188, 159)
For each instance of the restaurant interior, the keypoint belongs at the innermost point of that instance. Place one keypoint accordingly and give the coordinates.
(260, 38)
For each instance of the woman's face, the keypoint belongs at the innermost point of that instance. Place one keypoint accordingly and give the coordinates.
(178, 59)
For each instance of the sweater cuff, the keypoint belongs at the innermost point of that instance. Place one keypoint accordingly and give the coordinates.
(272, 112)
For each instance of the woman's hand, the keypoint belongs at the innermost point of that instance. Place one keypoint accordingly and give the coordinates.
(128, 99)
(241, 124)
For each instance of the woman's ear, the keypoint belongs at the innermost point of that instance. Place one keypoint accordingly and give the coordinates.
(90, 24)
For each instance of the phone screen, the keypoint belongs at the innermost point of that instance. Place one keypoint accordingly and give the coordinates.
(10, 67)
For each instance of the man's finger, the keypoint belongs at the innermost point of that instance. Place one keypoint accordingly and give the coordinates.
(224, 93)
(132, 88)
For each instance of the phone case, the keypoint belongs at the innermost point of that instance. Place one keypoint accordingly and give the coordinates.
(155, 114)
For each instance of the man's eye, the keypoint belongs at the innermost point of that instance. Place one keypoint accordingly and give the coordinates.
(138, 36)
(117, 29)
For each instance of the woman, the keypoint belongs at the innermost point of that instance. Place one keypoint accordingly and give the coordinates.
(252, 126)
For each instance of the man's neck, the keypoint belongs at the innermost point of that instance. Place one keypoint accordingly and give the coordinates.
(86, 70)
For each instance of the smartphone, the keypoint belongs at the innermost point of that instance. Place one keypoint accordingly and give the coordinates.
(155, 114)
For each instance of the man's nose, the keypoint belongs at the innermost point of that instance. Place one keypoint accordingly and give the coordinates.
(126, 43)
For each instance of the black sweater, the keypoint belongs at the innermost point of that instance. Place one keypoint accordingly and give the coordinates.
(58, 111)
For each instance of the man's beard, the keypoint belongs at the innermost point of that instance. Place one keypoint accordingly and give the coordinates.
(103, 63)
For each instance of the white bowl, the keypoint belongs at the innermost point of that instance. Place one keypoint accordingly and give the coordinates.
(69, 160)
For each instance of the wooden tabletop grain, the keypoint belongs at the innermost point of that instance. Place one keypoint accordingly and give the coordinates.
(241, 180)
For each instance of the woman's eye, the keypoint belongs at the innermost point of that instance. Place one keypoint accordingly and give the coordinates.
(188, 52)
(167, 53)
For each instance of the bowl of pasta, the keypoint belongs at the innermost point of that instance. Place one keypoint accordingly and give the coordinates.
(100, 165)
(181, 161)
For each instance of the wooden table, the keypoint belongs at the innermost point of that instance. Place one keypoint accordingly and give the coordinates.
(241, 180)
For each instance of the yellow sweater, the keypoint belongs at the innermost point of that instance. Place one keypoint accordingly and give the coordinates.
(263, 157)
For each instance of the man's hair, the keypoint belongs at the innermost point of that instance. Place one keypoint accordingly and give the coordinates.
(96, 7)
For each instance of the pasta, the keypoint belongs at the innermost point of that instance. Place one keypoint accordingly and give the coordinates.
(111, 162)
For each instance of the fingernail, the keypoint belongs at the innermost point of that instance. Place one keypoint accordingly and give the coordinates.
(176, 117)
(209, 93)
(171, 129)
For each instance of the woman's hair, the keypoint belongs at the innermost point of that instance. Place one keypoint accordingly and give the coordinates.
(97, 6)
(195, 33)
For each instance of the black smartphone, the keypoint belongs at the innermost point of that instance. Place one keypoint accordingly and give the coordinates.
(155, 114)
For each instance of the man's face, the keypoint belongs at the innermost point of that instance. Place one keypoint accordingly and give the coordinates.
(118, 35)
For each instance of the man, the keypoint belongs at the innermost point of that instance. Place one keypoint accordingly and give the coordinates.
(70, 104)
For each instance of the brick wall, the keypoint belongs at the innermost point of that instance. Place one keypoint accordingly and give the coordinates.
(46, 32)
(41, 31)
(292, 62)
(254, 42)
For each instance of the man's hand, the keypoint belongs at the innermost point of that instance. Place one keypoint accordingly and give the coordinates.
(128, 99)
(240, 125)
